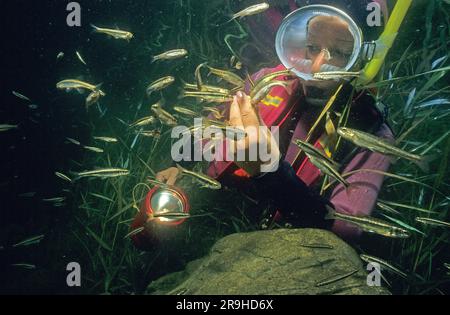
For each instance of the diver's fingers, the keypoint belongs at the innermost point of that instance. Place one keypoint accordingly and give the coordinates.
(168, 176)
(235, 115)
(160, 177)
(248, 114)
(172, 179)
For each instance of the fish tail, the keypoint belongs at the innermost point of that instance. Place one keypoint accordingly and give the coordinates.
(154, 59)
(74, 176)
(331, 215)
(424, 163)
(95, 28)
(182, 94)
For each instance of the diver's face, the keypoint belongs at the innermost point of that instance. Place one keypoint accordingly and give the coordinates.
(329, 41)
(329, 46)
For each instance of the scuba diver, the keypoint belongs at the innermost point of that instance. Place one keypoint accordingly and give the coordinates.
(316, 37)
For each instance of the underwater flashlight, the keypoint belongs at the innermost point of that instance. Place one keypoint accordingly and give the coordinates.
(163, 209)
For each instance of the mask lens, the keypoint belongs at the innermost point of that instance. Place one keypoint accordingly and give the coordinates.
(164, 201)
(316, 39)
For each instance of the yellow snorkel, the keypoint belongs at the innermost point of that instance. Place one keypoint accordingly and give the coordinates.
(384, 43)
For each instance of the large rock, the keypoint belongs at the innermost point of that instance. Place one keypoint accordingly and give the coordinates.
(277, 262)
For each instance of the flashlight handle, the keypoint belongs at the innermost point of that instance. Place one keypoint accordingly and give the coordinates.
(385, 41)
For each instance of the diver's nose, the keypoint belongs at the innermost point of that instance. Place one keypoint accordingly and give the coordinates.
(321, 59)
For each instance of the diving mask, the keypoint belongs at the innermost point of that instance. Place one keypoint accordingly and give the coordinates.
(317, 39)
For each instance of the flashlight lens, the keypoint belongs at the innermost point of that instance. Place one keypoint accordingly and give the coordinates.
(166, 201)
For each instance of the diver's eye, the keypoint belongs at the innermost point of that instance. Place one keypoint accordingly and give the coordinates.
(313, 49)
(340, 55)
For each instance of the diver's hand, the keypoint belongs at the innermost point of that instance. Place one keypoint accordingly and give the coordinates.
(244, 116)
(168, 176)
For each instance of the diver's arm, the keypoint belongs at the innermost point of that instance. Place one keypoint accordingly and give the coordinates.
(361, 197)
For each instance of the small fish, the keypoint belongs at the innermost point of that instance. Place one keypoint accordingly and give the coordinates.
(171, 54)
(150, 133)
(73, 84)
(28, 195)
(254, 9)
(73, 141)
(93, 98)
(94, 149)
(439, 101)
(185, 111)
(172, 215)
(117, 34)
(335, 75)
(145, 121)
(6, 127)
(60, 55)
(207, 88)
(106, 139)
(370, 259)
(56, 199)
(387, 208)
(160, 84)
(322, 162)
(104, 173)
(447, 265)
(375, 144)
(228, 76)
(370, 225)
(207, 96)
(319, 246)
(335, 278)
(25, 266)
(230, 131)
(238, 65)
(21, 96)
(258, 95)
(165, 117)
(198, 77)
(134, 232)
(80, 58)
(30, 241)
(266, 79)
(64, 177)
(206, 181)
(433, 222)
(33, 106)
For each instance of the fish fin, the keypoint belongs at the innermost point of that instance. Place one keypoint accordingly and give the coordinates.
(424, 163)
(75, 176)
(331, 213)
(182, 94)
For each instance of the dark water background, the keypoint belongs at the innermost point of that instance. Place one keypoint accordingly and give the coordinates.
(33, 34)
